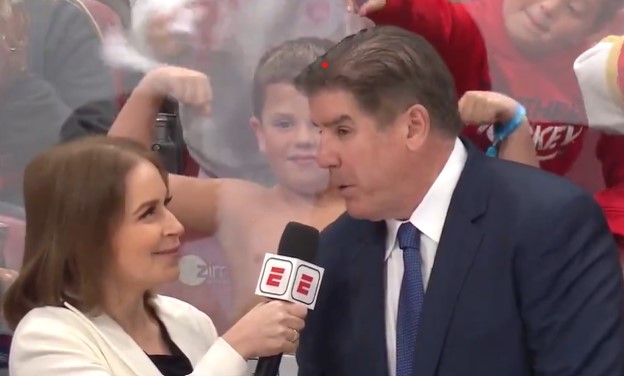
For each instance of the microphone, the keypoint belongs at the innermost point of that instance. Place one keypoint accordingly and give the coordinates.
(290, 276)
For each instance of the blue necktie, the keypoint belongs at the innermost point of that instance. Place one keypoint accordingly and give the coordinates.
(410, 299)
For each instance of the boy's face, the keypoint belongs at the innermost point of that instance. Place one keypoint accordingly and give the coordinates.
(289, 140)
(544, 26)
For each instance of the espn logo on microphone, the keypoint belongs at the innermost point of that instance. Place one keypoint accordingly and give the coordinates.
(289, 279)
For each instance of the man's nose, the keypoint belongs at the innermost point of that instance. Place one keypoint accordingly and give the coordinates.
(325, 157)
(172, 226)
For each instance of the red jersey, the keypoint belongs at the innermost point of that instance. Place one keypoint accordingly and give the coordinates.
(546, 87)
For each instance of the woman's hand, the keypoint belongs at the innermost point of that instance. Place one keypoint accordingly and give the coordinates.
(187, 86)
(268, 329)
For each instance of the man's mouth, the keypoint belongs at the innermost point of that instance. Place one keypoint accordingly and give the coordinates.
(343, 187)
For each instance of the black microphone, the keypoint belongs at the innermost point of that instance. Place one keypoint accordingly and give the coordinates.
(297, 241)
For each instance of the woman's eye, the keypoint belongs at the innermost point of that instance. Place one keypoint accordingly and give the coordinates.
(149, 212)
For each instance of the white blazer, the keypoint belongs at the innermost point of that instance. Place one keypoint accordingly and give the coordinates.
(61, 341)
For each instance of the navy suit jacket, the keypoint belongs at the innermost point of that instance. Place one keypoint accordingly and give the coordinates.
(526, 281)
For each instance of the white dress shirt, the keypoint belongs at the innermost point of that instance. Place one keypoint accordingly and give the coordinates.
(429, 218)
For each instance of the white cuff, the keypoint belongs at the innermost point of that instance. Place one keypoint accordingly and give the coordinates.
(221, 360)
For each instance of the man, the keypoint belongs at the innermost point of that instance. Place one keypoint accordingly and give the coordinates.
(519, 268)
(525, 49)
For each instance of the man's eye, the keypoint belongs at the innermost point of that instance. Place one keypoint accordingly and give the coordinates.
(342, 131)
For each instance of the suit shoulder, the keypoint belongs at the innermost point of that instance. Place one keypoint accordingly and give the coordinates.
(343, 225)
(532, 185)
(43, 316)
(333, 230)
(49, 323)
(338, 239)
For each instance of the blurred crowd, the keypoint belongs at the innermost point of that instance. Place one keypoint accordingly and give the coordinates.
(249, 163)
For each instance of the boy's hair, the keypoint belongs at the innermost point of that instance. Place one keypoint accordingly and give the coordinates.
(283, 63)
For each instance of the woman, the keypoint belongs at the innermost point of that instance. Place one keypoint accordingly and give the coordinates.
(99, 240)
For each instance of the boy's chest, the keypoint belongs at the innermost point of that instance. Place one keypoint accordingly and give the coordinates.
(257, 229)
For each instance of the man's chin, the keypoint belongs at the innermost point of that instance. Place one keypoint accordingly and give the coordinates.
(357, 211)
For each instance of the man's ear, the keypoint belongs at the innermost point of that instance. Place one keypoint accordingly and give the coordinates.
(418, 124)
(256, 126)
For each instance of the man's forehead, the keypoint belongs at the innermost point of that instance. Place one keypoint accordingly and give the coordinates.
(332, 103)
(336, 107)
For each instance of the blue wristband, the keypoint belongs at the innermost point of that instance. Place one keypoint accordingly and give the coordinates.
(502, 131)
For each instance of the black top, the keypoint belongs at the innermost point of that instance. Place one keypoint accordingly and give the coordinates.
(176, 364)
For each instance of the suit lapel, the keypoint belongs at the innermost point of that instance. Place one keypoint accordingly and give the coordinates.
(458, 246)
(121, 343)
(366, 291)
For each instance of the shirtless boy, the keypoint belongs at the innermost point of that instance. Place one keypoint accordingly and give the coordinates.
(248, 219)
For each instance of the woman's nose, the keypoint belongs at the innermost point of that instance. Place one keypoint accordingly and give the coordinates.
(173, 227)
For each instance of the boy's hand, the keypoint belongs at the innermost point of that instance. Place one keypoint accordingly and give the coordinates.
(187, 86)
(366, 8)
(486, 107)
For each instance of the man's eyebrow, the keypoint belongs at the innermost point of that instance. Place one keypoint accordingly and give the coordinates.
(335, 122)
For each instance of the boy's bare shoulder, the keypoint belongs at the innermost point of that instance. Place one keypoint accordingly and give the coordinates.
(237, 192)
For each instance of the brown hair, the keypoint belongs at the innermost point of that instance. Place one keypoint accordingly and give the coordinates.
(74, 197)
(387, 69)
(283, 63)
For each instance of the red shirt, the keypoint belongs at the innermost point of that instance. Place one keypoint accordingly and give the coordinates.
(546, 87)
